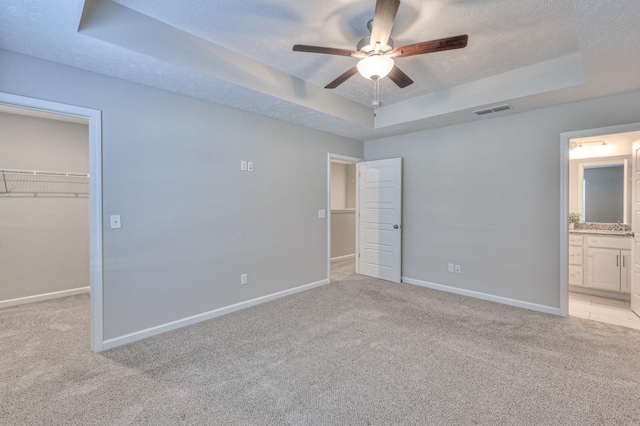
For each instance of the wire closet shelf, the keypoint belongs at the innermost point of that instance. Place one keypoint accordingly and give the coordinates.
(36, 182)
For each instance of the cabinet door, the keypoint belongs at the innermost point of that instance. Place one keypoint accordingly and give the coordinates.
(625, 271)
(603, 266)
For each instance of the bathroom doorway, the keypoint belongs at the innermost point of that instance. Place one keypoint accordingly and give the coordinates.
(600, 241)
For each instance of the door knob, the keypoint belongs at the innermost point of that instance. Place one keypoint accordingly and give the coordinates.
(395, 227)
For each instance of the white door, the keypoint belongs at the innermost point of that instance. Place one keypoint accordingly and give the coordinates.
(379, 222)
(635, 223)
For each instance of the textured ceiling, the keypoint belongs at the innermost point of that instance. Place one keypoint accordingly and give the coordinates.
(501, 36)
(530, 53)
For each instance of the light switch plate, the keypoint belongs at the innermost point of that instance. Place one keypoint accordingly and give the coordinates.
(243, 166)
(115, 221)
(321, 214)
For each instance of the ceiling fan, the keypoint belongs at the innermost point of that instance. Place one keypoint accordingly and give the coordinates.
(377, 51)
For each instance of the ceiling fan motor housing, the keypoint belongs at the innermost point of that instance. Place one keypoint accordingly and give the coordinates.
(366, 47)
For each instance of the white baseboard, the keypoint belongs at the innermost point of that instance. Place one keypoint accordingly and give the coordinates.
(152, 331)
(484, 296)
(41, 297)
(346, 256)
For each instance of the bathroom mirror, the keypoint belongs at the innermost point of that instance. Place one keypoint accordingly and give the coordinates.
(604, 191)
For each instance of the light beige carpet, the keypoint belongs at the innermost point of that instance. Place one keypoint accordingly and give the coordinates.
(358, 352)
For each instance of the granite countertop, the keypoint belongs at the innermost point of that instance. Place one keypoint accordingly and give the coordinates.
(601, 232)
(619, 229)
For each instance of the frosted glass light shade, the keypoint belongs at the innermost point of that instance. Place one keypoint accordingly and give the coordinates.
(375, 66)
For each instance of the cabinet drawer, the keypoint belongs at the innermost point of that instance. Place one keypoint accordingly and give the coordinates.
(575, 240)
(623, 243)
(575, 275)
(575, 255)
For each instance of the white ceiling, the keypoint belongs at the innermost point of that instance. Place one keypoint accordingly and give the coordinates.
(528, 53)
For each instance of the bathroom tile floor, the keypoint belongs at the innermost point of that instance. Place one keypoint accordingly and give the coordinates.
(612, 311)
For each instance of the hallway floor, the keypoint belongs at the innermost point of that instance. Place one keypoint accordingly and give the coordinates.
(603, 309)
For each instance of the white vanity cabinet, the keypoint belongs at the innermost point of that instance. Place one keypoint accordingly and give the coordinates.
(575, 260)
(608, 263)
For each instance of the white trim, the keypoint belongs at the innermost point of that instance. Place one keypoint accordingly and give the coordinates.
(564, 225)
(564, 200)
(353, 160)
(490, 297)
(44, 296)
(152, 331)
(358, 165)
(346, 256)
(95, 196)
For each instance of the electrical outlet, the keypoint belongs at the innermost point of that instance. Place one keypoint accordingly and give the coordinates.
(243, 279)
(243, 166)
(450, 267)
(115, 221)
(322, 214)
(458, 269)
(250, 166)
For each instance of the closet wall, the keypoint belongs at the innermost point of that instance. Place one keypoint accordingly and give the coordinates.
(44, 246)
(343, 214)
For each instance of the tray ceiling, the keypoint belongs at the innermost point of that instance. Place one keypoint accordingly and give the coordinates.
(530, 54)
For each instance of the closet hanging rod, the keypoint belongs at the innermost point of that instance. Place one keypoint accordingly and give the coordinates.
(20, 181)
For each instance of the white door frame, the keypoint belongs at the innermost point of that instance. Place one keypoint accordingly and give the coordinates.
(564, 200)
(95, 196)
(330, 157)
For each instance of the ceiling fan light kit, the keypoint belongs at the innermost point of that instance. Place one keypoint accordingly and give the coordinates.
(376, 52)
(375, 67)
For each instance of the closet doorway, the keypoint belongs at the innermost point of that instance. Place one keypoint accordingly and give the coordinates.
(50, 197)
(342, 217)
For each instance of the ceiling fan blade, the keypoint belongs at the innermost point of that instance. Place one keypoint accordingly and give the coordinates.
(399, 77)
(325, 50)
(344, 77)
(449, 43)
(383, 18)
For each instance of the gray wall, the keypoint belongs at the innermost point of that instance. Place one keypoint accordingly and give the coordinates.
(192, 222)
(343, 203)
(343, 233)
(343, 186)
(44, 240)
(351, 186)
(338, 186)
(486, 195)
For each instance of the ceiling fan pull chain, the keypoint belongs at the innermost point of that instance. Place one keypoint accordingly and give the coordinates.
(376, 96)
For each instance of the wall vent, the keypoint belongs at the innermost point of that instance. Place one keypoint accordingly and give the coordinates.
(493, 109)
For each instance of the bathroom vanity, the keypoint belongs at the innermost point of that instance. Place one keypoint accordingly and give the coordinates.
(600, 259)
